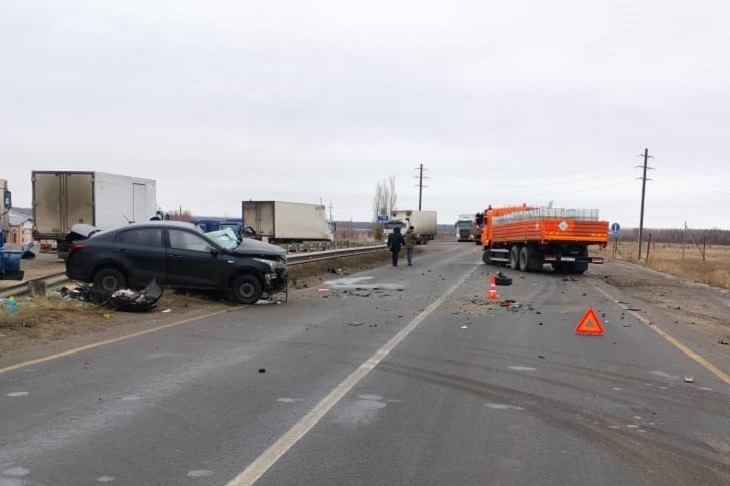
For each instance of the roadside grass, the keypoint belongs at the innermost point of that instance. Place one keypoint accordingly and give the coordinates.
(48, 316)
(51, 318)
(672, 258)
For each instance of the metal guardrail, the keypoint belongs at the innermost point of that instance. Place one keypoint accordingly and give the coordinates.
(295, 259)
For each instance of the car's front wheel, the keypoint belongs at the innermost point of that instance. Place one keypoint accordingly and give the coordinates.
(109, 280)
(246, 289)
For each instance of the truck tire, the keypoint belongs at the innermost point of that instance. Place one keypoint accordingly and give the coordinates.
(514, 257)
(246, 289)
(485, 256)
(525, 255)
(530, 259)
(109, 280)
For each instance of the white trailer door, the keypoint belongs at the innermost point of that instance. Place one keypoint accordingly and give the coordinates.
(139, 202)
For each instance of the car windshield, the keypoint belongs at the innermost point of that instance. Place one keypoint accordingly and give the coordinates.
(225, 238)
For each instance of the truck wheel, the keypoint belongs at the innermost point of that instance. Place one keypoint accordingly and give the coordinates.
(109, 280)
(525, 259)
(485, 257)
(246, 289)
(514, 258)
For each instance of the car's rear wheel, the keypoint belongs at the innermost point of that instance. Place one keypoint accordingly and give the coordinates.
(109, 280)
(246, 289)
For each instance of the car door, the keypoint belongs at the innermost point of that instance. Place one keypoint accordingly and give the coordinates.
(142, 253)
(192, 260)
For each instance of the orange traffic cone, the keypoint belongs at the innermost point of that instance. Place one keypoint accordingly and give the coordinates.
(492, 289)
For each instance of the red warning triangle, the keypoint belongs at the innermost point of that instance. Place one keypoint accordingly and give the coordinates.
(589, 324)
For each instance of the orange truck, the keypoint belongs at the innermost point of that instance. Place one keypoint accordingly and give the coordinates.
(526, 238)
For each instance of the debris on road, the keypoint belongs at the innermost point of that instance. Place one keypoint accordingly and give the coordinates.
(121, 300)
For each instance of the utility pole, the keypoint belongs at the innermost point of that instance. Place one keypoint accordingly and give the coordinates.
(420, 185)
(643, 195)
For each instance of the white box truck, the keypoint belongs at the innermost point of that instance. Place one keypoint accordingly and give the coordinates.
(62, 199)
(282, 222)
(424, 223)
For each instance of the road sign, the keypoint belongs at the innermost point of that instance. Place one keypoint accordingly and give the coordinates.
(382, 218)
(615, 228)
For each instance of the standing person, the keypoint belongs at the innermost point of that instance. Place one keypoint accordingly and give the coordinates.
(395, 241)
(411, 241)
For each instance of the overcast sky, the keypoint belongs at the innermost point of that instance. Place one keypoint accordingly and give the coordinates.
(503, 102)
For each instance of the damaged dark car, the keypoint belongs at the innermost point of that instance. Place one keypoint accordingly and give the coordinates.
(180, 256)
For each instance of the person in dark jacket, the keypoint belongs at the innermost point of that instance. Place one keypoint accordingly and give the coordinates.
(395, 242)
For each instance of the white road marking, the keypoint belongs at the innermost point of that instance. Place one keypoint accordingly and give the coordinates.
(17, 394)
(289, 400)
(502, 406)
(200, 473)
(271, 455)
(522, 368)
(105, 479)
(16, 471)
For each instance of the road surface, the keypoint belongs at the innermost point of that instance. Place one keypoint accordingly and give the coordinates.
(395, 376)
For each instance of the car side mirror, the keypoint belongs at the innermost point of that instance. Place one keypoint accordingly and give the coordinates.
(214, 252)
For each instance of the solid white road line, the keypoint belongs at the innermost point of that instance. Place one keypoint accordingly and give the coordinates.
(271, 455)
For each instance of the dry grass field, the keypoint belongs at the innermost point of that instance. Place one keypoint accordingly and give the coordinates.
(685, 262)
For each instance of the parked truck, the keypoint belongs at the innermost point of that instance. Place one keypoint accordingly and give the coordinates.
(62, 199)
(467, 229)
(526, 238)
(282, 222)
(424, 223)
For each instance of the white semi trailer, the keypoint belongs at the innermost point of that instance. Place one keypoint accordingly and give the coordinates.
(424, 223)
(281, 222)
(62, 199)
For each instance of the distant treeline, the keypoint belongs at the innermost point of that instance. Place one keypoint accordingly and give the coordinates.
(708, 236)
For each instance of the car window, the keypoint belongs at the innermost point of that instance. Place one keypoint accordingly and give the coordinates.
(183, 240)
(224, 237)
(142, 236)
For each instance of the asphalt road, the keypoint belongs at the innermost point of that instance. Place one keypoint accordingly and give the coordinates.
(407, 375)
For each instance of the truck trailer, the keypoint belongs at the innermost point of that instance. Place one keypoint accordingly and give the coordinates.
(526, 238)
(105, 201)
(424, 223)
(282, 222)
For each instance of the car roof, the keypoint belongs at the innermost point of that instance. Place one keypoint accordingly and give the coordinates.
(154, 224)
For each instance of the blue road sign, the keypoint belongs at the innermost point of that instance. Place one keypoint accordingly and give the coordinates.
(382, 218)
(615, 228)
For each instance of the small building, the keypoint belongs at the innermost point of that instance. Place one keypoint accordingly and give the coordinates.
(21, 227)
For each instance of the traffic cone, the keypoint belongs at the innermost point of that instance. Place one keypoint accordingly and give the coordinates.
(492, 289)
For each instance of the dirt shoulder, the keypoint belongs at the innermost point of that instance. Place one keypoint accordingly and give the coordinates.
(47, 325)
(694, 305)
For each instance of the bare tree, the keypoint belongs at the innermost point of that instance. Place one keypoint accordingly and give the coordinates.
(385, 197)
(384, 200)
